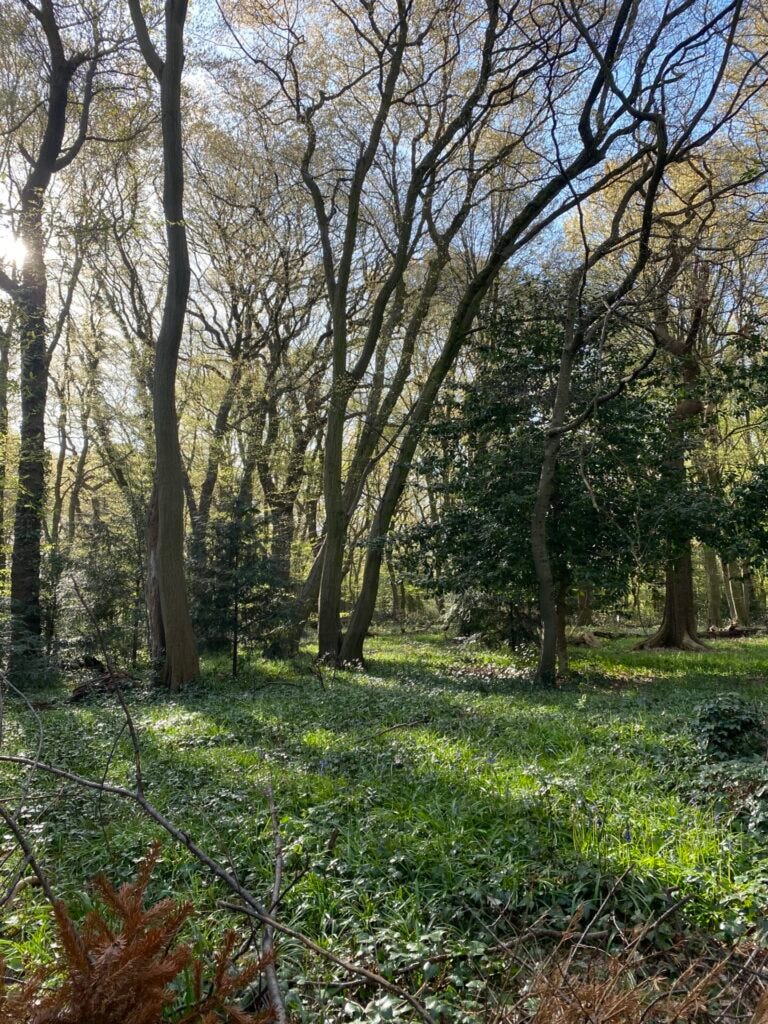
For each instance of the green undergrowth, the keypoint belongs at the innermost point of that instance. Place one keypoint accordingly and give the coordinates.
(435, 802)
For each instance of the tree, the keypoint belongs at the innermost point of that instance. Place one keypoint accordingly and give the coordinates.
(48, 138)
(609, 115)
(166, 529)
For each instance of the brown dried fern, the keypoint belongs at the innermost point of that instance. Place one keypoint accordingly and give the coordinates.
(120, 971)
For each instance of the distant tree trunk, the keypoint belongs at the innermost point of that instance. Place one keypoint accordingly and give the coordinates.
(5, 347)
(546, 671)
(180, 661)
(734, 593)
(678, 625)
(562, 643)
(397, 610)
(750, 596)
(733, 613)
(737, 586)
(714, 590)
(154, 609)
(202, 512)
(329, 608)
(282, 541)
(584, 612)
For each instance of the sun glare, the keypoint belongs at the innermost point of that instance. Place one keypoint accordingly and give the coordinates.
(12, 249)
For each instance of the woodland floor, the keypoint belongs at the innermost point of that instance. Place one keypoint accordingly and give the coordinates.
(435, 804)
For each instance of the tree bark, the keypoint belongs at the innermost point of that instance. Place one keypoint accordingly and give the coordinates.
(180, 661)
(26, 654)
(584, 613)
(562, 641)
(678, 625)
(736, 585)
(5, 347)
(714, 590)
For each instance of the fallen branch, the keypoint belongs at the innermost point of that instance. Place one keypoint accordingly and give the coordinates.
(252, 906)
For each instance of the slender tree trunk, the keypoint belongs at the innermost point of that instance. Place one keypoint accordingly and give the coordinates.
(714, 591)
(203, 510)
(736, 583)
(733, 614)
(584, 613)
(5, 347)
(546, 671)
(154, 608)
(750, 594)
(562, 642)
(180, 661)
(329, 609)
(26, 656)
(397, 611)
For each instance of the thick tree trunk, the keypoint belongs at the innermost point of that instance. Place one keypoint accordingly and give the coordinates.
(678, 625)
(714, 592)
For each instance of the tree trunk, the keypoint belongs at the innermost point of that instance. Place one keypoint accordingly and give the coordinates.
(397, 609)
(584, 612)
(678, 625)
(750, 595)
(736, 585)
(5, 347)
(329, 608)
(728, 590)
(26, 656)
(203, 510)
(714, 591)
(733, 593)
(562, 643)
(180, 661)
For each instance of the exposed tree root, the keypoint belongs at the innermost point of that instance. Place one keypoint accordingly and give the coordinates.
(662, 641)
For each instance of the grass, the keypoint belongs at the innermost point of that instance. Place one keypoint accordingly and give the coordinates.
(428, 804)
